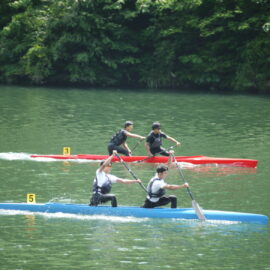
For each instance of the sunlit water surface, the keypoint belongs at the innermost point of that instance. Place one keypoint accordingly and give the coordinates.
(43, 121)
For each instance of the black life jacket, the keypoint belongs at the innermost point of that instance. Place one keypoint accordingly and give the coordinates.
(157, 141)
(119, 138)
(161, 192)
(104, 189)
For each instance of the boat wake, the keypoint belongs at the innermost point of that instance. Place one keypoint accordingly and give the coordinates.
(207, 222)
(15, 156)
(111, 218)
(73, 216)
(27, 156)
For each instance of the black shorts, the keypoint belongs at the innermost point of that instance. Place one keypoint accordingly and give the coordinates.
(98, 198)
(164, 200)
(119, 149)
(159, 150)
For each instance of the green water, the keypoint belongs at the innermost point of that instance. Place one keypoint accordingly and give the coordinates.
(43, 121)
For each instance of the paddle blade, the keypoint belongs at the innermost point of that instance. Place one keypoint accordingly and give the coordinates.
(198, 210)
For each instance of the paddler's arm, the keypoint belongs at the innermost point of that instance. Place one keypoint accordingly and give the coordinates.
(127, 181)
(147, 147)
(173, 187)
(132, 135)
(107, 161)
(126, 146)
(173, 140)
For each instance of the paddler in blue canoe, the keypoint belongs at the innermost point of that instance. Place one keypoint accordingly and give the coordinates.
(118, 141)
(157, 188)
(154, 141)
(103, 183)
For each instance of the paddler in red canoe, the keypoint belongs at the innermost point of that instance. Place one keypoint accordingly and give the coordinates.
(154, 141)
(118, 141)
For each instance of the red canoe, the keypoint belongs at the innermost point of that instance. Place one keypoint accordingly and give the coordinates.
(238, 162)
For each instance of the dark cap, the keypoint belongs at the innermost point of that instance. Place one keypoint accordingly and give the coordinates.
(128, 123)
(156, 125)
(162, 168)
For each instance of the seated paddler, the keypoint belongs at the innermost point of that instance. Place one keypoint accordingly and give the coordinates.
(157, 188)
(118, 141)
(103, 183)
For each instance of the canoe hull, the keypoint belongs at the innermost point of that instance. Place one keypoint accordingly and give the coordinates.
(180, 213)
(238, 162)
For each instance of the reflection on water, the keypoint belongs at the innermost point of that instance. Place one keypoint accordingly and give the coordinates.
(111, 241)
(30, 216)
(210, 226)
(219, 170)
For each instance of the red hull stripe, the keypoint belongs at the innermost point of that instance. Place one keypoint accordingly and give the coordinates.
(162, 159)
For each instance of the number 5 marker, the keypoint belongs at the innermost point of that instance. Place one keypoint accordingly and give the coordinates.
(31, 198)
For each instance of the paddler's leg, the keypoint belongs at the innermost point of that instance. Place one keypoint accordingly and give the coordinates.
(109, 197)
(95, 199)
(162, 201)
(164, 152)
(114, 202)
(159, 150)
(173, 200)
(110, 148)
(148, 204)
(154, 151)
(119, 149)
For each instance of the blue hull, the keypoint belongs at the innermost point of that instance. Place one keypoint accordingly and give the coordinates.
(123, 211)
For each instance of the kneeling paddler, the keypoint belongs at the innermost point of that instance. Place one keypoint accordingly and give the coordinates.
(118, 141)
(103, 183)
(153, 143)
(157, 188)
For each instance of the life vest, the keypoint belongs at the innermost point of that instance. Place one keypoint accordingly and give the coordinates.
(104, 189)
(157, 141)
(157, 194)
(119, 138)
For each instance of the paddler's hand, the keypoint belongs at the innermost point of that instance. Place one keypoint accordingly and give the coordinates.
(178, 144)
(138, 181)
(114, 152)
(171, 152)
(142, 138)
(186, 185)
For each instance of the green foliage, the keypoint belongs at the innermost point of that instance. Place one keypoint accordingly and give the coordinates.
(211, 44)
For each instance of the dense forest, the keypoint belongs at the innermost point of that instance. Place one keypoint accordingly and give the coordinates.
(180, 44)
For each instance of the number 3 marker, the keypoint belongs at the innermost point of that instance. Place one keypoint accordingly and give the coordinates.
(66, 151)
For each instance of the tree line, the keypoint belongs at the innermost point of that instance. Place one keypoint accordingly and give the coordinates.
(180, 44)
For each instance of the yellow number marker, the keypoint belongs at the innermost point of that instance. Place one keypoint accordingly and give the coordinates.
(31, 198)
(66, 151)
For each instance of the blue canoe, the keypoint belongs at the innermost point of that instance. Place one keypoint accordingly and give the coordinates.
(123, 211)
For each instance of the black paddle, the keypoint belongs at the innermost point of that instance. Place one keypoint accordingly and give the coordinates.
(136, 145)
(131, 172)
(195, 205)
